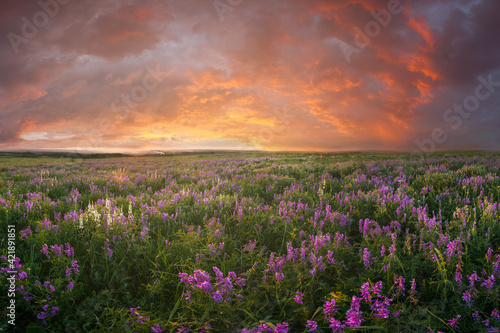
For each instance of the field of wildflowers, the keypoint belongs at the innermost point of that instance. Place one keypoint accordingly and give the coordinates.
(255, 242)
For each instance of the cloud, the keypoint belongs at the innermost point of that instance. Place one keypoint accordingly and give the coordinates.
(270, 75)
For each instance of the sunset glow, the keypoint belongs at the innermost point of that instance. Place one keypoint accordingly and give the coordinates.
(321, 75)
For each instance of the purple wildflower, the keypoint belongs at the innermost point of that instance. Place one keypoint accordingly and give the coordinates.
(45, 250)
(26, 232)
(399, 284)
(381, 308)
(46, 313)
(377, 288)
(205, 286)
(298, 297)
(26, 296)
(365, 292)
(367, 258)
(240, 282)
(489, 283)
(312, 326)
(354, 315)
(75, 266)
(336, 325)
(495, 314)
(453, 323)
(57, 249)
(488, 254)
(473, 277)
(187, 296)
(70, 252)
(468, 298)
(458, 275)
(217, 297)
(42, 315)
(496, 267)
(330, 309)
(281, 328)
(156, 328)
(264, 329)
(412, 289)
(183, 329)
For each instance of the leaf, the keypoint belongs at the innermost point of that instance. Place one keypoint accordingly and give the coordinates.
(174, 309)
(126, 326)
(33, 328)
(209, 306)
(317, 311)
(251, 315)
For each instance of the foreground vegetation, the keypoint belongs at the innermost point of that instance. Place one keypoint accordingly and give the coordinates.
(255, 242)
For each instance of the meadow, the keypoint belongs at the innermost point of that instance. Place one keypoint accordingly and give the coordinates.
(252, 242)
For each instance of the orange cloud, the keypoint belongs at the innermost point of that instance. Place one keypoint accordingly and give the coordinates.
(420, 25)
(422, 64)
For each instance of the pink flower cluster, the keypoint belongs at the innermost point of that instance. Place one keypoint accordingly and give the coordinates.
(221, 290)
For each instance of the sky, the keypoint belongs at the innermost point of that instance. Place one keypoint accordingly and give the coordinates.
(315, 75)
